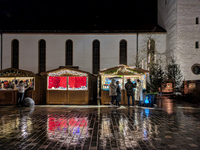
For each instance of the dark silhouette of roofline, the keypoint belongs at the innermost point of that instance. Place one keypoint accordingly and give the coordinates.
(156, 28)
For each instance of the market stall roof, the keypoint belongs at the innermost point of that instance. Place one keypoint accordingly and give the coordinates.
(65, 70)
(13, 72)
(123, 70)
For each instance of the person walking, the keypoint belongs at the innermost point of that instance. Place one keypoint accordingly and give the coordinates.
(129, 88)
(118, 99)
(20, 94)
(112, 91)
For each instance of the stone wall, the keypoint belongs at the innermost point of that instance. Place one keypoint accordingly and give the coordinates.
(178, 17)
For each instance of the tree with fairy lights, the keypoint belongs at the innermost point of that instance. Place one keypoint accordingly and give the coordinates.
(156, 77)
(150, 58)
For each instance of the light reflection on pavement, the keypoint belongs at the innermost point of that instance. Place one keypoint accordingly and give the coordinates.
(170, 125)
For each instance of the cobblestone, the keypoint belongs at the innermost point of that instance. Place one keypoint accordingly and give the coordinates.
(99, 128)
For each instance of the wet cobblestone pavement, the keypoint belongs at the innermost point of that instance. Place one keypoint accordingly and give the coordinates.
(55, 127)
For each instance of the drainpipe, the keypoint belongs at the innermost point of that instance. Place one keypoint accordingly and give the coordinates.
(1, 48)
(137, 51)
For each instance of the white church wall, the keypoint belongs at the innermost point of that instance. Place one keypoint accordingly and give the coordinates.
(110, 46)
(55, 50)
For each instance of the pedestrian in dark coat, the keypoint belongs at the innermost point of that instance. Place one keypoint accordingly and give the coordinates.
(112, 91)
(118, 99)
(129, 88)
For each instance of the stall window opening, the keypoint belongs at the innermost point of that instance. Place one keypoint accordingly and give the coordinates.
(11, 83)
(77, 83)
(59, 83)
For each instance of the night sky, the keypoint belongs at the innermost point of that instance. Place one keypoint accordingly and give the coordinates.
(77, 14)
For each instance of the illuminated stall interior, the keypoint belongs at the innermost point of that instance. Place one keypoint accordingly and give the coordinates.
(67, 86)
(120, 73)
(10, 79)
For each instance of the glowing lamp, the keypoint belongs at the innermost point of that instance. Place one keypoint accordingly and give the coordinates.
(146, 101)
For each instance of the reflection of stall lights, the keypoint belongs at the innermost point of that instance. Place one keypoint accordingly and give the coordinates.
(67, 72)
(146, 111)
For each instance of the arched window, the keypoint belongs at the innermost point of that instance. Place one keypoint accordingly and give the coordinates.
(42, 56)
(150, 51)
(15, 54)
(123, 52)
(96, 57)
(69, 53)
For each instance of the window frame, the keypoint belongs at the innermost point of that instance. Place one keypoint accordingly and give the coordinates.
(66, 52)
(93, 49)
(120, 51)
(12, 54)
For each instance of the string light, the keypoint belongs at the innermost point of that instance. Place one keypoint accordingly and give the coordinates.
(71, 72)
(121, 69)
(10, 73)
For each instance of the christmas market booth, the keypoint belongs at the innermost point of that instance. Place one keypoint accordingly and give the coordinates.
(121, 73)
(66, 85)
(9, 84)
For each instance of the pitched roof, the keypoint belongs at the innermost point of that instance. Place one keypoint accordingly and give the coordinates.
(136, 29)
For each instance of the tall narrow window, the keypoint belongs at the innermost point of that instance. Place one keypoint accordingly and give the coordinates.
(42, 56)
(166, 2)
(123, 52)
(96, 57)
(69, 53)
(197, 20)
(196, 44)
(15, 54)
(150, 51)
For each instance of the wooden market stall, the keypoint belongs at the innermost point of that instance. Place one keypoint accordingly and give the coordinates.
(9, 79)
(120, 73)
(66, 85)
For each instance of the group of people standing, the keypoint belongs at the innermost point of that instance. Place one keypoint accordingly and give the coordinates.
(115, 91)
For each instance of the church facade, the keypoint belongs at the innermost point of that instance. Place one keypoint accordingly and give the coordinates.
(96, 50)
(91, 52)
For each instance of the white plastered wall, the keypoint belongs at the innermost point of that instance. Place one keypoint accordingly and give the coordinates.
(55, 50)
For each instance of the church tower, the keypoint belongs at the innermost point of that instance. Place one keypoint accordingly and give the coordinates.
(180, 18)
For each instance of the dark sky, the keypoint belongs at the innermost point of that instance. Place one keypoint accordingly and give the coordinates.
(77, 14)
